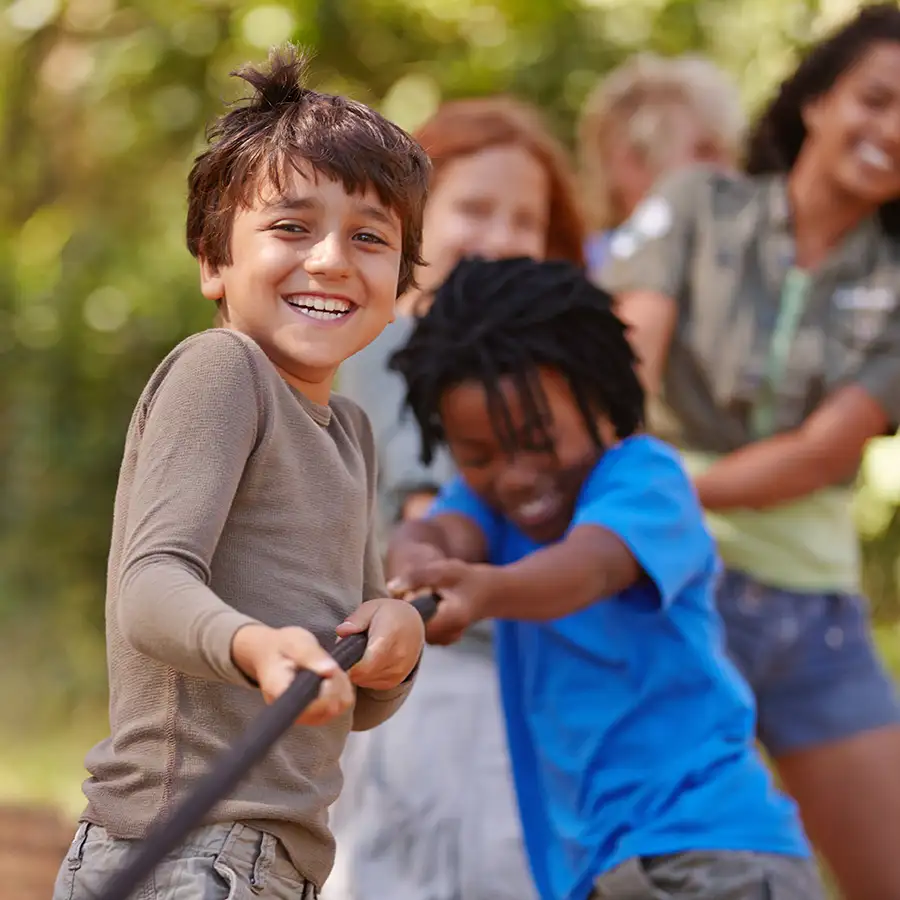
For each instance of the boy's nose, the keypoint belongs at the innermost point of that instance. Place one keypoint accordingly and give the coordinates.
(328, 256)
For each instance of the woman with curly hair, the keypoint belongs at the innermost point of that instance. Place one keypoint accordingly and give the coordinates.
(764, 308)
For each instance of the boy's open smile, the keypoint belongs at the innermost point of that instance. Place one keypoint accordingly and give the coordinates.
(538, 511)
(324, 308)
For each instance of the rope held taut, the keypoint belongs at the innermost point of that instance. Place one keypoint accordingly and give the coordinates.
(245, 753)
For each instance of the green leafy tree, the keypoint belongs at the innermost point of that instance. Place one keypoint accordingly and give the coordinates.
(103, 105)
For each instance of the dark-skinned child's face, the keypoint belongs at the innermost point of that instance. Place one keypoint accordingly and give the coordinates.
(533, 487)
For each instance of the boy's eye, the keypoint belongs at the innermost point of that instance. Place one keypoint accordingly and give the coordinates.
(367, 237)
(289, 227)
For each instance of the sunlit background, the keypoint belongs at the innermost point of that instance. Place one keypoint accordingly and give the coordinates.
(102, 106)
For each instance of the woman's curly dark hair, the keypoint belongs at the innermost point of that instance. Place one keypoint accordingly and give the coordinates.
(775, 141)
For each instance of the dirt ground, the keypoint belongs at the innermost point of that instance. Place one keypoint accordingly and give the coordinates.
(33, 841)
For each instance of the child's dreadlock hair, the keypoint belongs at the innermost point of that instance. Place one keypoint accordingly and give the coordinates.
(509, 318)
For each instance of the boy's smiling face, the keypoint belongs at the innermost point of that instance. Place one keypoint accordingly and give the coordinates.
(536, 489)
(312, 278)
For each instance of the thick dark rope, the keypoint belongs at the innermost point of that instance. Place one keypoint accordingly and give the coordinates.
(234, 765)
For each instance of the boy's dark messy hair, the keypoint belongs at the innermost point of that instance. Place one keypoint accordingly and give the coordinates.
(775, 141)
(510, 318)
(284, 125)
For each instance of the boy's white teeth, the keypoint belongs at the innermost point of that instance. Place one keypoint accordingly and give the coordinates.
(319, 307)
(536, 508)
(321, 313)
(875, 157)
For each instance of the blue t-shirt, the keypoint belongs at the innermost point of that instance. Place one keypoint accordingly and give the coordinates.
(630, 732)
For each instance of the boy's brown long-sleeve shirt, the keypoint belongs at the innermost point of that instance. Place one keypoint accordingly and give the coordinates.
(239, 501)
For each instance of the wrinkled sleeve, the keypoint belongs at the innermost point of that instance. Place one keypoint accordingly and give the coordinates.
(197, 429)
(374, 707)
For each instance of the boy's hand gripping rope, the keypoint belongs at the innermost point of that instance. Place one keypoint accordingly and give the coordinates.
(245, 753)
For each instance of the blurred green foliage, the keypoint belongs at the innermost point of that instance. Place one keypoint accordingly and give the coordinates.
(102, 106)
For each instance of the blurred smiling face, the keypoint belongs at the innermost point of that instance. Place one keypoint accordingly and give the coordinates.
(853, 129)
(535, 485)
(494, 203)
(313, 276)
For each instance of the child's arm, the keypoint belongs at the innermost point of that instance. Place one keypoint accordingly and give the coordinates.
(197, 430)
(452, 543)
(445, 535)
(637, 517)
(589, 564)
(455, 540)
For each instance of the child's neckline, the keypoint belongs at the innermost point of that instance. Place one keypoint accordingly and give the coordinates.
(319, 413)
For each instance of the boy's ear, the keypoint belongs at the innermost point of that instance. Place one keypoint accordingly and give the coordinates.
(211, 284)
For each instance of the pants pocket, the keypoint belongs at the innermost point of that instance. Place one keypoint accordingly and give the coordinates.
(64, 889)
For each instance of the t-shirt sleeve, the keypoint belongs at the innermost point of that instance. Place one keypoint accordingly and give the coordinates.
(457, 498)
(652, 250)
(192, 436)
(878, 368)
(644, 497)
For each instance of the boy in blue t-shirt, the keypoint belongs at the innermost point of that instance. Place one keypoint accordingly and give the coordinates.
(631, 734)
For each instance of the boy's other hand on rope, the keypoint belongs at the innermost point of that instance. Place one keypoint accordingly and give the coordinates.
(396, 638)
(271, 657)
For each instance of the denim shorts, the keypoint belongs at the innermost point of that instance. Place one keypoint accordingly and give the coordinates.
(810, 661)
(216, 862)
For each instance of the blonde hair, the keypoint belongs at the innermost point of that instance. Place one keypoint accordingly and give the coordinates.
(642, 101)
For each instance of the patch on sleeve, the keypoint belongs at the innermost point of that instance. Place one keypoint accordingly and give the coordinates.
(623, 244)
(652, 219)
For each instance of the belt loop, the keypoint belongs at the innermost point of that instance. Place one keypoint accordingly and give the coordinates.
(76, 849)
(260, 872)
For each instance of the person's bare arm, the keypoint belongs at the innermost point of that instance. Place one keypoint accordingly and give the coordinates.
(650, 318)
(825, 450)
(591, 563)
(443, 536)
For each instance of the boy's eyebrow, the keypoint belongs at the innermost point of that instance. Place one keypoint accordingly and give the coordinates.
(299, 203)
(381, 215)
(290, 202)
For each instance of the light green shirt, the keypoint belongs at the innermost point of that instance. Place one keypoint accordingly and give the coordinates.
(809, 545)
